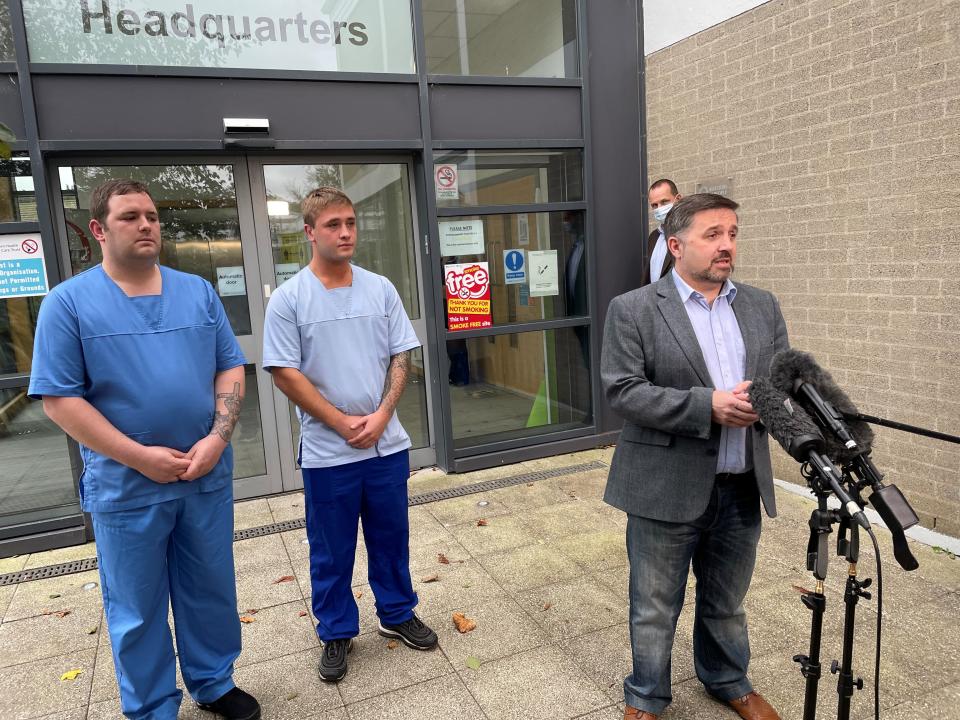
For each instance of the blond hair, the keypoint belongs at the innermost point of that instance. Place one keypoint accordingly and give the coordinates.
(319, 200)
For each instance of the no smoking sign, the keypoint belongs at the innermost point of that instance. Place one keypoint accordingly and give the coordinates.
(447, 182)
(30, 246)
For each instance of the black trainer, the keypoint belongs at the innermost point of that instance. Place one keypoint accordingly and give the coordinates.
(333, 662)
(235, 705)
(412, 633)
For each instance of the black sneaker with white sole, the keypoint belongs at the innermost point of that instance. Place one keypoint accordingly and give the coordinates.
(412, 633)
(333, 662)
(234, 705)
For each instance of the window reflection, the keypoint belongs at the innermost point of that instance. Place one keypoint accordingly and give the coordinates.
(511, 177)
(18, 201)
(248, 455)
(37, 479)
(6, 35)
(519, 385)
(511, 38)
(199, 223)
(381, 197)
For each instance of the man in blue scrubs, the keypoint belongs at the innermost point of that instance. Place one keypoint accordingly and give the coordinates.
(137, 363)
(337, 342)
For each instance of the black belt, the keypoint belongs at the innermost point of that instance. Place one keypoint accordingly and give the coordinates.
(734, 477)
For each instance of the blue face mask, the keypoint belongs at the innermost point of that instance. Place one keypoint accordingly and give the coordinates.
(660, 213)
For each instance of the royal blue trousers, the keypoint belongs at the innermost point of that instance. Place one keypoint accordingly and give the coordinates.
(373, 491)
(177, 553)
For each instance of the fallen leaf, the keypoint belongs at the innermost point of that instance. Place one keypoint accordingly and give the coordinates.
(430, 578)
(285, 578)
(59, 613)
(292, 696)
(463, 623)
(54, 596)
(71, 675)
(802, 590)
(473, 663)
(252, 611)
(572, 494)
(442, 559)
(547, 606)
(392, 645)
(529, 484)
(93, 630)
(303, 613)
(358, 594)
(482, 522)
(246, 619)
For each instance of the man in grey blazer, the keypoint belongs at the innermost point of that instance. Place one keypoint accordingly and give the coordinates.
(691, 467)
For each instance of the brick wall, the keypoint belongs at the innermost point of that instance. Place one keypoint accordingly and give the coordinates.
(839, 123)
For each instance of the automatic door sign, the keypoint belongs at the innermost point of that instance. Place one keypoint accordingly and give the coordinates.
(468, 296)
(514, 267)
(22, 271)
(448, 182)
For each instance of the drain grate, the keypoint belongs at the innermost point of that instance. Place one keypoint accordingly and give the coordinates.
(78, 566)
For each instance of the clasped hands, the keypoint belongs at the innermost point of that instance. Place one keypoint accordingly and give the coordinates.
(732, 407)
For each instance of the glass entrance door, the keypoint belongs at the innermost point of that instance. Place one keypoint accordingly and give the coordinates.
(386, 232)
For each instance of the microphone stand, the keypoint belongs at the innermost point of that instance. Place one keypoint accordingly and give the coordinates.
(821, 526)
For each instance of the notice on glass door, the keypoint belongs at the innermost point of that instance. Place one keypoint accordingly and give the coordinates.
(468, 296)
(544, 277)
(461, 237)
(22, 271)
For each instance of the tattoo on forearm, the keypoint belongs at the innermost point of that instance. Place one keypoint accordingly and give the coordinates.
(224, 423)
(396, 381)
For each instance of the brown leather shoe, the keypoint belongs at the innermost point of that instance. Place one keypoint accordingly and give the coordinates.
(752, 706)
(631, 713)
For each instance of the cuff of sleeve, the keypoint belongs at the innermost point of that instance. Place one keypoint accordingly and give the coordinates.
(403, 347)
(268, 365)
(703, 410)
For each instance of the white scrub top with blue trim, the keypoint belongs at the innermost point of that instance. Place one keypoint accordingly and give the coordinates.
(147, 364)
(342, 341)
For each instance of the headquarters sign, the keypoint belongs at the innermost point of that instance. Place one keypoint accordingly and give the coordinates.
(366, 36)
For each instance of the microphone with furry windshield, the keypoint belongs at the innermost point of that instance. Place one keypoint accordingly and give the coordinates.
(798, 434)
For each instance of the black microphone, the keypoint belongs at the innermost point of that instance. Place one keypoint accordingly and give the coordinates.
(798, 434)
(798, 374)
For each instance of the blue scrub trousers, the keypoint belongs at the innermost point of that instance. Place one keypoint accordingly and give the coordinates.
(178, 552)
(374, 491)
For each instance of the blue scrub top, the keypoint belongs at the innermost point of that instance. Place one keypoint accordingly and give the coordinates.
(147, 364)
(342, 341)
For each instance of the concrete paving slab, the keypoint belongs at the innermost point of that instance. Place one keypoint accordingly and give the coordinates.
(608, 713)
(443, 697)
(260, 563)
(574, 607)
(460, 585)
(75, 714)
(501, 533)
(35, 689)
(604, 656)
(47, 636)
(540, 683)
(503, 628)
(557, 522)
(13, 564)
(251, 513)
(463, 509)
(277, 631)
(33, 598)
(426, 558)
(594, 551)
(335, 714)
(288, 687)
(375, 669)
(528, 567)
(6, 595)
(61, 555)
(528, 496)
(286, 507)
(425, 529)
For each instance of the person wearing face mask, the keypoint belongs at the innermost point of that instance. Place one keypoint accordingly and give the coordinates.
(663, 194)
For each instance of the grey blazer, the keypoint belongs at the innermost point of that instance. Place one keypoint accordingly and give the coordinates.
(655, 378)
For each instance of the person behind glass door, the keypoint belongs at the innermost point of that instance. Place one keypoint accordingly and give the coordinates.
(691, 469)
(662, 196)
(138, 364)
(337, 342)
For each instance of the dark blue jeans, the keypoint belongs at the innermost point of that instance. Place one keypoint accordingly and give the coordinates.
(374, 491)
(722, 546)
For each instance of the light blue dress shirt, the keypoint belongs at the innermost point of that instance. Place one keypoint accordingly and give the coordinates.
(658, 256)
(723, 351)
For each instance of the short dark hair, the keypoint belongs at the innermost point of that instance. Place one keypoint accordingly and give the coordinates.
(681, 215)
(100, 197)
(671, 183)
